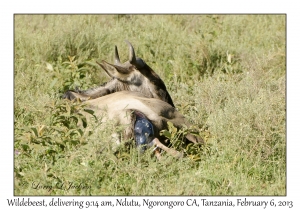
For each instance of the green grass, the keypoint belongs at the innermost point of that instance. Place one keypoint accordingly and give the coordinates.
(225, 73)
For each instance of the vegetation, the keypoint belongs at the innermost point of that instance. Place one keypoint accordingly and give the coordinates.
(225, 73)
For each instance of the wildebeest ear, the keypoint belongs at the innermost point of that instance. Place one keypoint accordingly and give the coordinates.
(115, 71)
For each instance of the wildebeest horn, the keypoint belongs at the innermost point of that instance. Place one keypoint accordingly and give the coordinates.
(117, 58)
(132, 58)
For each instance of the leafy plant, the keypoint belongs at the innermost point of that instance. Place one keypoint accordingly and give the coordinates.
(176, 137)
(75, 74)
(60, 130)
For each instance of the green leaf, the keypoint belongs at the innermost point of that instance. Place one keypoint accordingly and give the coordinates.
(165, 133)
(25, 147)
(35, 132)
(89, 111)
(49, 66)
(50, 175)
(84, 122)
(171, 127)
(80, 131)
(53, 82)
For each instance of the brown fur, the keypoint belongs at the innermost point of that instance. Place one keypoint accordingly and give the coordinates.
(134, 87)
(120, 105)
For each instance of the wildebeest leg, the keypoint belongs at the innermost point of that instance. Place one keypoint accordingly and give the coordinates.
(92, 93)
(170, 151)
(73, 95)
(84, 97)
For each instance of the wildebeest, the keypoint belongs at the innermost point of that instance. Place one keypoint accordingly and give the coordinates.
(137, 97)
(133, 75)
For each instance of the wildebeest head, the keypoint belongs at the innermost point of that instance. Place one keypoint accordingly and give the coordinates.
(137, 75)
(133, 75)
(130, 71)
